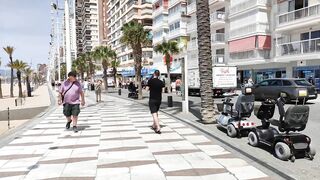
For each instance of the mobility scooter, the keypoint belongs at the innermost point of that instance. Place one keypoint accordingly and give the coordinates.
(235, 120)
(286, 143)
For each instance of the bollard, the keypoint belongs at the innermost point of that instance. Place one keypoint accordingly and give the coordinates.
(170, 102)
(16, 102)
(119, 92)
(8, 118)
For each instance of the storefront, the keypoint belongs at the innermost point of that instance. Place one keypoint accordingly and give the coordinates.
(262, 74)
(308, 72)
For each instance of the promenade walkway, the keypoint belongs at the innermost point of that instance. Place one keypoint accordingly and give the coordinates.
(115, 142)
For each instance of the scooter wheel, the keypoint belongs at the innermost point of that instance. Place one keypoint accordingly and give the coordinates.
(253, 139)
(293, 158)
(231, 131)
(282, 151)
(312, 151)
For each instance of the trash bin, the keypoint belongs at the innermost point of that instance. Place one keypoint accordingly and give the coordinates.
(170, 102)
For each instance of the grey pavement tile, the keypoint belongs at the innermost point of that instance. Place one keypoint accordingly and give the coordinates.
(18, 156)
(123, 149)
(29, 144)
(196, 172)
(73, 146)
(72, 178)
(67, 160)
(76, 137)
(181, 151)
(126, 164)
(4, 174)
(164, 140)
(120, 138)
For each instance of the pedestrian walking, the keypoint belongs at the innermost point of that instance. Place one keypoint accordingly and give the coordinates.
(98, 90)
(85, 86)
(69, 95)
(155, 85)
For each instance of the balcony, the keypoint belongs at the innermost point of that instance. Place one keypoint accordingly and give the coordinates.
(191, 8)
(158, 11)
(238, 8)
(308, 49)
(191, 27)
(217, 17)
(173, 2)
(218, 59)
(256, 56)
(218, 38)
(248, 30)
(299, 18)
(215, 1)
(192, 46)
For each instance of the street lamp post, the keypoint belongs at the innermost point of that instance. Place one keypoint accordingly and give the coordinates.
(184, 69)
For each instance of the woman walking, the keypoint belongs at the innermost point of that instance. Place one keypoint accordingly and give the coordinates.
(98, 90)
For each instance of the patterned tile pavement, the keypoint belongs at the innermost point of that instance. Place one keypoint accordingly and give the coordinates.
(115, 142)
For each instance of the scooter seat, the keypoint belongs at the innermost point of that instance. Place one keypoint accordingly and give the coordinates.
(274, 122)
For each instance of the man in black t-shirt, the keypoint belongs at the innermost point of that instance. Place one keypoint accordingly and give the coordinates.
(155, 85)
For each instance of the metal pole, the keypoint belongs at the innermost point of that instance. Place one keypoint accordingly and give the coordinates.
(68, 40)
(8, 118)
(58, 45)
(185, 102)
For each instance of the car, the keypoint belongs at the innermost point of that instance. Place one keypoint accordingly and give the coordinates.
(290, 87)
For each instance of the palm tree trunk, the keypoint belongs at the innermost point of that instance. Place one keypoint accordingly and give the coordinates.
(28, 86)
(19, 83)
(138, 60)
(115, 77)
(205, 61)
(168, 83)
(105, 78)
(11, 81)
(1, 88)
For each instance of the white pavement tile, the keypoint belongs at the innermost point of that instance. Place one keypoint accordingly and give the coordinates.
(232, 162)
(147, 172)
(247, 172)
(183, 178)
(221, 176)
(201, 160)
(80, 169)
(113, 174)
(213, 150)
(172, 162)
(45, 171)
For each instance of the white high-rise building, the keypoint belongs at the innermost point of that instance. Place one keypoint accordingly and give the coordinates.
(120, 12)
(87, 25)
(169, 24)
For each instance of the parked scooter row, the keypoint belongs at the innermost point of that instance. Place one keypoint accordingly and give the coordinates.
(285, 141)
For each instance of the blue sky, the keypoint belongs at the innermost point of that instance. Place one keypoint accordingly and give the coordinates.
(25, 24)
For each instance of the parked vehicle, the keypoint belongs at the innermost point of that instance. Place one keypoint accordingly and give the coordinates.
(271, 89)
(287, 142)
(236, 120)
(224, 79)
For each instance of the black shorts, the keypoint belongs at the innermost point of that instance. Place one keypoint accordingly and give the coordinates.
(71, 109)
(154, 106)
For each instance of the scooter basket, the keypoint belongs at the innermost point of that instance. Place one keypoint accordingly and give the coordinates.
(220, 107)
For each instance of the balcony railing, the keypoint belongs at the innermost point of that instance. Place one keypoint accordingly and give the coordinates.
(192, 27)
(246, 5)
(249, 29)
(299, 14)
(218, 38)
(219, 59)
(191, 7)
(217, 16)
(299, 47)
(192, 46)
(172, 2)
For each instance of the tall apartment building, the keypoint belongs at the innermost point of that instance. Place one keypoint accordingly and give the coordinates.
(169, 24)
(87, 25)
(103, 23)
(123, 11)
(273, 39)
(219, 34)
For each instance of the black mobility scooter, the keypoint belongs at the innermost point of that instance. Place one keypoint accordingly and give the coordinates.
(286, 143)
(235, 121)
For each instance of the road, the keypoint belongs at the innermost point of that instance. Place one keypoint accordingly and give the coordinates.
(300, 169)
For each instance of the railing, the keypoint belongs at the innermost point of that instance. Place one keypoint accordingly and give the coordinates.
(246, 5)
(191, 7)
(192, 46)
(218, 37)
(218, 59)
(172, 2)
(299, 14)
(250, 29)
(299, 47)
(217, 16)
(158, 11)
(250, 55)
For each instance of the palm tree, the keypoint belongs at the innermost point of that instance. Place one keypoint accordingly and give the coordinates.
(91, 67)
(28, 72)
(80, 65)
(19, 66)
(63, 71)
(167, 49)
(205, 61)
(0, 84)
(135, 36)
(114, 64)
(103, 53)
(9, 50)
